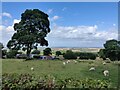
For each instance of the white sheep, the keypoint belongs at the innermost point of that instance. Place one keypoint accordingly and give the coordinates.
(68, 61)
(32, 69)
(64, 63)
(75, 61)
(104, 63)
(92, 69)
(106, 73)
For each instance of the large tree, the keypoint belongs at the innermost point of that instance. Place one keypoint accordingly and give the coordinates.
(111, 50)
(30, 31)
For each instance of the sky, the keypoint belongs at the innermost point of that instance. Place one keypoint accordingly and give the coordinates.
(72, 24)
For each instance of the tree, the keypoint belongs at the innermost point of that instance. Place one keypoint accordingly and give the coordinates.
(112, 50)
(58, 53)
(30, 31)
(47, 51)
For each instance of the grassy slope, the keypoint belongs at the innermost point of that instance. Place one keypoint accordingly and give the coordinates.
(56, 68)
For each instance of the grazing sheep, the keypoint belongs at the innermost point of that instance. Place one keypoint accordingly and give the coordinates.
(68, 61)
(106, 73)
(64, 63)
(32, 69)
(75, 61)
(92, 69)
(104, 63)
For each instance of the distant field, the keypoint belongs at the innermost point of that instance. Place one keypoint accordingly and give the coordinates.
(57, 69)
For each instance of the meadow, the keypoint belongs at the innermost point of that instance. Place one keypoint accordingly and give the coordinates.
(79, 70)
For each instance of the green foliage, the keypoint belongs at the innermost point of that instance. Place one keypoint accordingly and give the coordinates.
(12, 53)
(30, 31)
(70, 55)
(47, 51)
(102, 54)
(1, 46)
(26, 81)
(86, 55)
(58, 53)
(111, 51)
(55, 68)
(4, 52)
(36, 52)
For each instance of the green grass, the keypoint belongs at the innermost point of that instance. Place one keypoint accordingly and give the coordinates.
(57, 69)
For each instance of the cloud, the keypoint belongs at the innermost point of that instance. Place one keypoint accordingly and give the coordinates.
(50, 11)
(114, 24)
(6, 14)
(55, 18)
(6, 32)
(84, 33)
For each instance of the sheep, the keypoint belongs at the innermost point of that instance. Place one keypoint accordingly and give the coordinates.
(75, 61)
(32, 69)
(68, 61)
(64, 63)
(92, 69)
(104, 63)
(106, 73)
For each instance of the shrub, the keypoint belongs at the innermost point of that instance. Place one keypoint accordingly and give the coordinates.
(69, 55)
(85, 55)
(26, 81)
(36, 52)
(36, 56)
(58, 53)
(12, 53)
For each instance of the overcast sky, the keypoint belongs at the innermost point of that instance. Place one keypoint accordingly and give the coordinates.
(80, 24)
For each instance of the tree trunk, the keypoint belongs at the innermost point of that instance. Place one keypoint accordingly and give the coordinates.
(28, 51)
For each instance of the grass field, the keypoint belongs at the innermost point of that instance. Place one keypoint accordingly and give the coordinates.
(57, 69)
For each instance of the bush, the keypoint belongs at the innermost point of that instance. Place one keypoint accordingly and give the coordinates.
(36, 56)
(47, 51)
(36, 52)
(58, 53)
(85, 55)
(69, 55)
(47, 82)
(12, 53)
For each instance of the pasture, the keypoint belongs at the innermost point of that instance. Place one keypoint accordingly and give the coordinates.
(79, 70)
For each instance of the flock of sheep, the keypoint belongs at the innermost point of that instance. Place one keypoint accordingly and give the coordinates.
(105, 72)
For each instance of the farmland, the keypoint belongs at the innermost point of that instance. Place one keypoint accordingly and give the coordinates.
(80, 70)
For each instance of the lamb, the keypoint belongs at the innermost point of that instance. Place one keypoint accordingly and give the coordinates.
(106, 73)
(32, 69)
(92, 69)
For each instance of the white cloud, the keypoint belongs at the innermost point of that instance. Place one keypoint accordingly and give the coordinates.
(50, 11)
(16, 21)
(6, 14)
(6, 32)
(85, 33)
(55, 18)
(114, 24)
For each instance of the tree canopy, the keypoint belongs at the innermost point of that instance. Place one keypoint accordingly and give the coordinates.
(30, 31)
(47, 51)
(111, 50)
